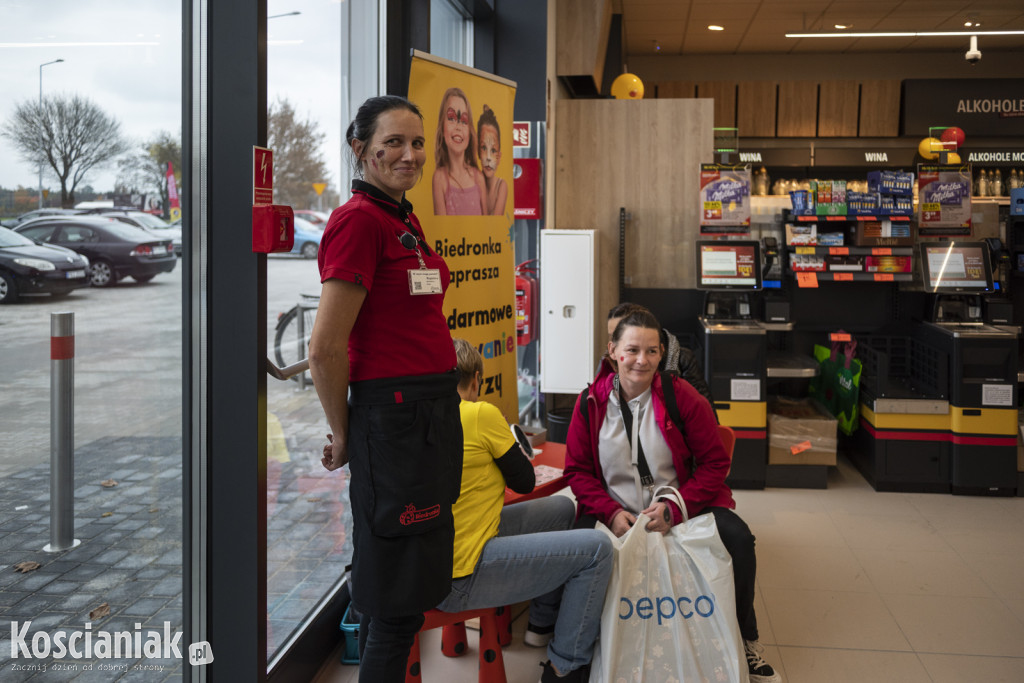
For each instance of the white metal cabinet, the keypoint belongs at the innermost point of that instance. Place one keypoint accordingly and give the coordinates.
(568, 266)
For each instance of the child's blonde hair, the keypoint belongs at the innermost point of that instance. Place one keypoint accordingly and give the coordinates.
(468, 362)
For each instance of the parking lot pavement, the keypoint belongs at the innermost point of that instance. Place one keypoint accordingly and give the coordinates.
(128, 428)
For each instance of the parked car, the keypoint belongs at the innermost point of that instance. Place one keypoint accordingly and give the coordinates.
(307, 238)
(30, 268)
(148, 221)
(38, 213)
(114, 249)
(317, 218)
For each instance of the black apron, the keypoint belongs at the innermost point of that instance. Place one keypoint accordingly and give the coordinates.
(405, 457)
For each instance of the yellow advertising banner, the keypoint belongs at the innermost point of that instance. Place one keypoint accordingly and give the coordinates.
(464, 204)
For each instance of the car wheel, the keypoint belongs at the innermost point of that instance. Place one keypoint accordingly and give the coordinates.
(8, 290)
(142, 278)
(309, 250)
(103, 274)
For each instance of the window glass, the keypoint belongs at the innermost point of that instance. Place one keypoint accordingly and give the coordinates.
(120, 565)
(451, 32)
(321, 65)
(41, 232)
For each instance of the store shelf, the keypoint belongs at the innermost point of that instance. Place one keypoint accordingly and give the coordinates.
(790, 365)
(826, 276)
(851, 251)
(846, 219)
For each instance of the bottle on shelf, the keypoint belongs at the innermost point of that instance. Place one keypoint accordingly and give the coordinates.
(1014, 180)
(997, 184)
(982, 184)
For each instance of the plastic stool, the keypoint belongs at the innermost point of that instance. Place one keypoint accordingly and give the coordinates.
(453, 636)
(492, 665)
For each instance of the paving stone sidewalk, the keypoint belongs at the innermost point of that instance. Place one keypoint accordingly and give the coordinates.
(130, 556)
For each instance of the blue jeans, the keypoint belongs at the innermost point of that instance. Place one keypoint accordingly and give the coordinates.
(534, 556)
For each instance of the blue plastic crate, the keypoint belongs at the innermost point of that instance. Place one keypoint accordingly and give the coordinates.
(1017, 201)
(350, 629)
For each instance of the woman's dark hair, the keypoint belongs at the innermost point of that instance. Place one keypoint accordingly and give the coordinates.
(364, 125)
(639, 317)
(624, 309)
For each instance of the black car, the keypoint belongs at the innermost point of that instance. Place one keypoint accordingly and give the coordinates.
(115, 249)
(30, 268)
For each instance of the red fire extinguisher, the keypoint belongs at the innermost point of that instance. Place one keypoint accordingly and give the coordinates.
(526, 302)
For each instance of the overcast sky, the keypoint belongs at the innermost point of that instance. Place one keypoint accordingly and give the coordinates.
(136, 75)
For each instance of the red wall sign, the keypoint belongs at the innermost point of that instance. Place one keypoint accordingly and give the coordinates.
(520, 133)
(527, 188)
(262, 176)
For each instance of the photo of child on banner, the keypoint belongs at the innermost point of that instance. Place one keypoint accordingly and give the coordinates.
(837, 386)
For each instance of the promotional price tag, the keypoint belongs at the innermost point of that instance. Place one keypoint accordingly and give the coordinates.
(883, 277)
(842, 277)
(807, 279)
(805, 250)
(840, 337)
(800, 447)
(880, 251)
(839, 251)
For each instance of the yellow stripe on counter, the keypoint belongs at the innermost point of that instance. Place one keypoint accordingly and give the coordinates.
(752, 414)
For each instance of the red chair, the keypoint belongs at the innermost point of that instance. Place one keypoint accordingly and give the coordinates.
(492, 665)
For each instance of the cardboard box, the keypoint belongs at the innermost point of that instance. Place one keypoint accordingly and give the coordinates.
(800, 433)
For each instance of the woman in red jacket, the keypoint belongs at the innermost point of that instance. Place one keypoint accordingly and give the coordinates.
(613, 482)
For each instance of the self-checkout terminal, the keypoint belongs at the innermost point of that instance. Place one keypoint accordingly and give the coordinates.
(735, 350)
(982, 366)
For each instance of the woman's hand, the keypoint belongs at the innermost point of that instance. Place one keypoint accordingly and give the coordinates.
(622, 522)
(661, 517)
(335, 454)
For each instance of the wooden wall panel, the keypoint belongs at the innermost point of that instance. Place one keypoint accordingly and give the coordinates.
(879, 109)
(643, 155)
(798, 109)
(838, 108)
(755, 108)
(724, 95)
(582, 38)
(674, 89)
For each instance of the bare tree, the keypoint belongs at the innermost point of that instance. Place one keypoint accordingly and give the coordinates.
(70, 134)
(298, 156)
(146, 171)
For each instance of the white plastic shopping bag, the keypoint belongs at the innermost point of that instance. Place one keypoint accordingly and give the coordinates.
(670, 611)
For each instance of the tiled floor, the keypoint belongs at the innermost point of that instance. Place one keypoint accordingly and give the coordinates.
(856, 585)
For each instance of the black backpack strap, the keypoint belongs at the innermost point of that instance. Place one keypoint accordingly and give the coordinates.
(670, 401)
(584, 413)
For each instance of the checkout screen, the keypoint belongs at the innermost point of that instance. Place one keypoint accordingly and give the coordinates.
(728, 265)
(953, 266)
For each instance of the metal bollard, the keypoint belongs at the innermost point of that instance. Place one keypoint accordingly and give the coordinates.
(62, 433)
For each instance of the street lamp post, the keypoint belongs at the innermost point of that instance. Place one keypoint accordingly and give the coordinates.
(41, 113)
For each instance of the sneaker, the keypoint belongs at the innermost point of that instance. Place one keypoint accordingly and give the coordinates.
(538, 636)
(580, 675)
(760, 670)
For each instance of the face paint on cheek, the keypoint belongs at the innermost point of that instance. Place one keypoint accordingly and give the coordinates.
(622, 359)
(380, 154)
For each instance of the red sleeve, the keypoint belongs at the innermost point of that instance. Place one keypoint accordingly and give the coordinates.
(704, 487)
(350, 248)
(582, 469)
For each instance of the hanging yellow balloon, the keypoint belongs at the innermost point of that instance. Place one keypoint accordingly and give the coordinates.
(952, 158)
(628, 87)
(930, 148)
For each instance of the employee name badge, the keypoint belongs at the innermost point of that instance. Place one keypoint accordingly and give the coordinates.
(425, 281)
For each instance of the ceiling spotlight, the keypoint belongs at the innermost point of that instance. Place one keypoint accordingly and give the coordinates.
(657, 46)
(842, 26)
(715, 27)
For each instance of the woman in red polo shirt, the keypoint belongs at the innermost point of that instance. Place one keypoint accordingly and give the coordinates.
(383, 364)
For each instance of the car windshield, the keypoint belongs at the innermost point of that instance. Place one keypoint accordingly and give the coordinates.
(149, 221)
(9, 238)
